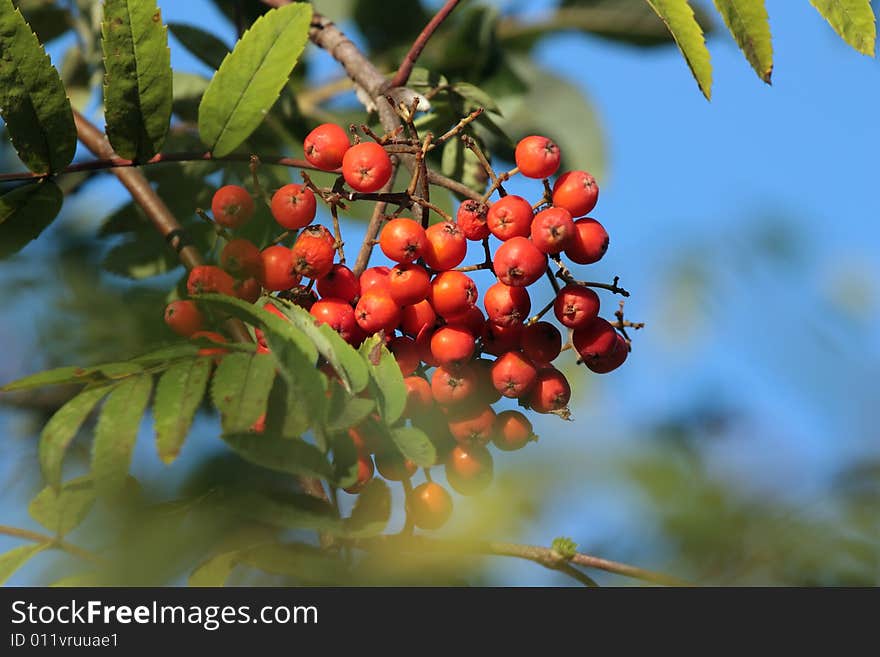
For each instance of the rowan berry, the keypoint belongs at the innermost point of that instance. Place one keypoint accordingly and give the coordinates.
(419, 398)
(417, 317)
(513, 375)
(393, 466)
(509, 217)
(453, 293)
(552, 230)
(408, 284)
(612, 360)
(519, 263)
(429, 505)
(184, 317)
(469, 469)
(313, 253)
(452, 346)
(208, 279)
(406, 353)
(403, 240)
(551, 391)
(589, 244)
(366, 167)
(506, 305)
(576, 191)
(232, 206)
(375, 277)
(541, 342)
(471, 423)
(512, 431)
(576, 306)
(376, 311)
(340, 283)
(454, 386)
(325, 146)
(537, 157)
(339, 316)
(241, 258)
(596, 339)
(446, 246)
(471, 219)
(294, 206)
(277, 271)
(364, 474)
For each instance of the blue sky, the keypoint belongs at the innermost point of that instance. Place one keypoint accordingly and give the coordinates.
(690, 180)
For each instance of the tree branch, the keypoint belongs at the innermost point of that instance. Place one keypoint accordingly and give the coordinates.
(51, 542)
(409, 61)
(546, 557)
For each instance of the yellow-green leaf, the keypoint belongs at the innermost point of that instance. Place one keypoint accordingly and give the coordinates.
(679, 18)
(178, 394)
(16, 558)
(853, 20)
(749, 24)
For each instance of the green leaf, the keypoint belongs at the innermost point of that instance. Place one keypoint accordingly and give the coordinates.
(60, 510)
(387, 383)
(178, 395)
(853, 20)
(679, 18)
(290, 511)
(144, 255)
(304, 562)
(345, 411)
(477, 96)
(460, 163)
(32, 99)
(252, 76)
(291, 456)
(240, 389)
(137, 83)
(26, 212)
(204, 45)
(371, 512)
(342, 356)
(749, 24)
(415, 445)
(16, 558)
(117, 431)
(287, 415)
(61, 429)
(215, 571)
(345, 460)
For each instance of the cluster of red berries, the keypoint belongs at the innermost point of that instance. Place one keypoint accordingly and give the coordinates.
(427, 307)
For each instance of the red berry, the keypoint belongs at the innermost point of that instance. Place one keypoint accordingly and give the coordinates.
(208, 279)
(471, 219)
(596, 339)
(472, 320)
(365, 473)
(552, 230)
(408, 284)
(241, 258)
(510, 217)
(486, 394)
(325, 146)
(423, 342)
(541, 342)
(429, 505)
(469, 469)
(513, 375)
(249, 289)
(446, 246)
(366, 167)
(498, 340)
(406, 353)
(375, 277)
(471, 423)
(454, 386)
(537, 157)
(551, 391)
(403, 240)
(589, 244)
(417, 317)
(612, 360)
(339, 315)
(576, 306)
(419, 398)
(184, 317)
(210, 336)
(393, 467)
(577, 192)
(294, 206)
(452, 346)
(512, 431)
(505, 305)
(340, 283)
(376, 311)
(313, 253)
(453, 293)
(519, 263)
(232, 206)
(277, 272)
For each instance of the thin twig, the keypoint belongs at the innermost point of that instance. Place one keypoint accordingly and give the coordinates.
(51, 542)
(409, 61)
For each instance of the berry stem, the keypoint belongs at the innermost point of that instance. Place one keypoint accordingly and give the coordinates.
(254, 166)
(375, 224)
(546, 309)
(457, 128)
(409, 61)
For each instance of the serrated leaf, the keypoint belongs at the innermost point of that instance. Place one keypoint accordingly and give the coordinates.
(386, 383)
(240, 389)
(62, 428)
(204, 45)
(345, 461)
(679, 18)
(749, 24)
(33, 103)
(251, 77)
(117, 431)
(343, 358)
(61, 510)
(172, 352)
(178, 395)
(415, 445)
(853, 20)
(26, 212)
(16, 558)
(371, 511)
(214, 571)
(137, 82)
(291, 456)
(345, 411)
(287, 415)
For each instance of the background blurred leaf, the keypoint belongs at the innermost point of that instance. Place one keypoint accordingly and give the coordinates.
(204, 45)
(61, 510)
(26, 212)
(16, 558)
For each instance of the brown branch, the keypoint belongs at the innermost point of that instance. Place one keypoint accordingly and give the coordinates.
(154, 207)
(546, 557)
(50, 542)
(409, 61)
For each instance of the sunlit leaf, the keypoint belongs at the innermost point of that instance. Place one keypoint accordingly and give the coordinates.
(679, 18)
